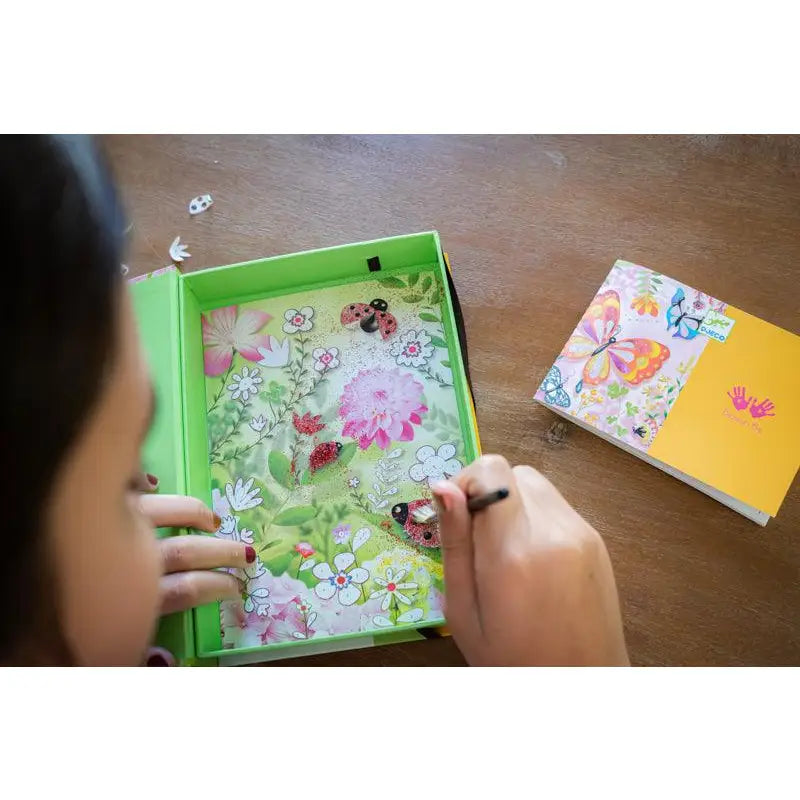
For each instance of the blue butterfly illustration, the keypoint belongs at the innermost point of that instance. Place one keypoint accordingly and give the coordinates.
(686, 327)
(553, 388)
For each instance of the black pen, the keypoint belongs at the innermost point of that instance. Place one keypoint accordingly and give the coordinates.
(427, 514)
(482, 501)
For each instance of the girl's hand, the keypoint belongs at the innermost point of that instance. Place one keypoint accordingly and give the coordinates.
(528, 581)
(191, 562)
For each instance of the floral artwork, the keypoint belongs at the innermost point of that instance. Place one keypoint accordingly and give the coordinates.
(630, 355)
(317, 430)
(382, 406)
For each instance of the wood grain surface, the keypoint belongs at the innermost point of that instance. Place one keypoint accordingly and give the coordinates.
(532, 225)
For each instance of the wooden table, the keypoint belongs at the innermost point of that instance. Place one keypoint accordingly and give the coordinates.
(532, 225)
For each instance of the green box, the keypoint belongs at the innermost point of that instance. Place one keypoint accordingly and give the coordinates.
(169, 306)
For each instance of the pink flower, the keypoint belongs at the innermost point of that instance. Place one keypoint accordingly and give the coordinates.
(305, 549)
(380, 405)
(227, 329)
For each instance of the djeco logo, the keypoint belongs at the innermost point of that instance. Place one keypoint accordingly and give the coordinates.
(717, 326)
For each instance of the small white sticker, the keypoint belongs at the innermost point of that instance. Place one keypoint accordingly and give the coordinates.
(197, 205)
(717, 326)
(177, 251)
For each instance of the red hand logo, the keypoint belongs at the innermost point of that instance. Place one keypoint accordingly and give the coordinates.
(763, 409)
(739, 399)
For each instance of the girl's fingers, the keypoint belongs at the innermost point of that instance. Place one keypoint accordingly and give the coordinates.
(176, 511)
(455, 530)
(184, 590)
(184, 553)
(494, 524)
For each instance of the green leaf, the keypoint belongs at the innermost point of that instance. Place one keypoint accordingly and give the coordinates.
(280, 468)
(271, 543)
(392, 283)
(347, 453)
(437, 341)
(305, 478)
(427, 317)
(412, 298)
(631, 409)
(611, 420)
(446, 364)
(670, 390)
(296, 515)
(615, 391)
(279, 564)
(412, 279)
(426, 284)
(621, 431)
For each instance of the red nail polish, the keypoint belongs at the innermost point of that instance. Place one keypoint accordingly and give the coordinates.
(217, 520)
(152, 480)
(250, 554)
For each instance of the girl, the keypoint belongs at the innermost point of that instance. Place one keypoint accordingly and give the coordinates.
(82, 577)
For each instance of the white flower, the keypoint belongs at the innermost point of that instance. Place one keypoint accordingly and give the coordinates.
(254, 570)
(361, 537)
(245, 384)
(298, 320)
(220, 504)
(326, 359)
(177, 251)
(256, 600)
(410, 616)
(229, 525)
(354, 482)
(435, 464)
(345, 583)
(412, 349)
(258, 423)
(255, 595)
(229, 529)
(393, 589)
(241, 497)
(377, 502)
(276, 354)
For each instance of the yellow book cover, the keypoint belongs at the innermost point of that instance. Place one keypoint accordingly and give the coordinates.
(691, 384)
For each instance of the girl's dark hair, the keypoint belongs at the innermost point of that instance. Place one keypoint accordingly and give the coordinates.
(62, 236)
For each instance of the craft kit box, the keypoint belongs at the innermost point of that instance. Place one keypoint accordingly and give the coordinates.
(312, 399)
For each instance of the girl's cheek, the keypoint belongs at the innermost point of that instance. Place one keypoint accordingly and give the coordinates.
(110, 568)
(149, 575)
(138, 569)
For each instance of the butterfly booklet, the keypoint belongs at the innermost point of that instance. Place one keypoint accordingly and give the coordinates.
(688, 383)
(312, 400)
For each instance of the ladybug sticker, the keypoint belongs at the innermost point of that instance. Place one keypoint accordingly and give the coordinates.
(426, 535)
(371, 317)
(323, 455)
